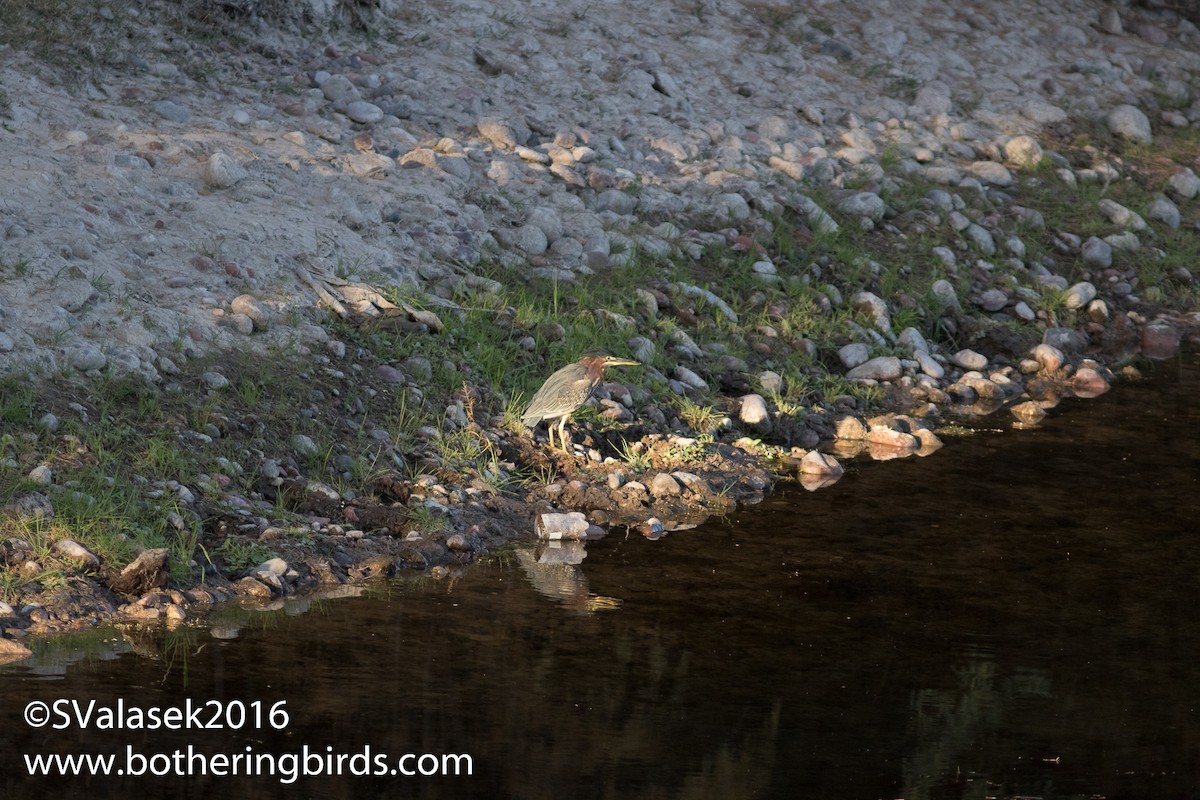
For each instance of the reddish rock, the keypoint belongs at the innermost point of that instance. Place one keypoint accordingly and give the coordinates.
(1087, 382)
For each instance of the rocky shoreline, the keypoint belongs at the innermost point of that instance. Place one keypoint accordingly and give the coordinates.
(271, 296)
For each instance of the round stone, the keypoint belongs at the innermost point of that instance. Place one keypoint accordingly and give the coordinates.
(1080, 295)
(864, 204)
(364, 112)
(880, 368)
(222, 171)
(1130, 123)
(993, 300)
(1097, 252)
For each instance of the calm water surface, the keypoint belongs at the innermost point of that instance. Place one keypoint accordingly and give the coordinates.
(1014, 616)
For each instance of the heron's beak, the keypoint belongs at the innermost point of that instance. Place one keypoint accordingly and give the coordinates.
(621, 362)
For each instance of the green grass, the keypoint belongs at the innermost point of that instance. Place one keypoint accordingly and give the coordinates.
(239, 556)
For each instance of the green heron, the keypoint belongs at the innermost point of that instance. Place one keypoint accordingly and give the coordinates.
(567, 390)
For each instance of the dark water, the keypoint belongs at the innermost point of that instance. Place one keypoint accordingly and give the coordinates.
(1014, 616)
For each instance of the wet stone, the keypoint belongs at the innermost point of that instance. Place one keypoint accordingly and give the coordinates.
(251, 587)
(1160, 340)
(1028, 413)
(888, 437)
(850, 428)
(1049, 357)
(572, 525)
(1088, 382)
(815, 462)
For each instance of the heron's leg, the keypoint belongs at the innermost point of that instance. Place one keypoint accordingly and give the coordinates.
(550, 434)
(562, 432)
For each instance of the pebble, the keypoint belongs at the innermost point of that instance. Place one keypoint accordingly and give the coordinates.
(913, 340)
(992, 173)
(222, 171)
(1065, 339)
(1048, 356)
(87, 357)
(663, 485)
(874, 308)
(753, 412)
(303, 445)
(1164, 211)
(338, 88)
(981, 239)
(77, 553)
(945, 293)
(1120, 215)
(880, 368)
(888, 437)
(1097, 252)
(250, 307)
(363, 112)
(172, 111)
(1023, 152)
(1185, 183)
(929, 365)
(689, 378)
(1130, 123)
(969, 360)
(1079, 295)
(853, 354)
(214, 380)
(992, 300)
(41, 475)
(864, 204)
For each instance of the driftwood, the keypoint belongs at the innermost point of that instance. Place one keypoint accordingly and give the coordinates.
(362, 305)
(148, 571)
